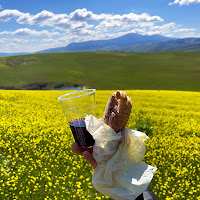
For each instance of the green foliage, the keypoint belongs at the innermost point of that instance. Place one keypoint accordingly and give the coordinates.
(143, 124)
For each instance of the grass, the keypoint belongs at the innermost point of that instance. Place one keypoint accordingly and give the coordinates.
(154, 71)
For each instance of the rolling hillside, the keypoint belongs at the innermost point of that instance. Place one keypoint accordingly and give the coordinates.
(159, 71)
(185, 44)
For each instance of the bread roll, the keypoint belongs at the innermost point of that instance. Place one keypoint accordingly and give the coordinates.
(117, 111)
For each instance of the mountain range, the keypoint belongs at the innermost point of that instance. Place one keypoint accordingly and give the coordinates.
(131, 42)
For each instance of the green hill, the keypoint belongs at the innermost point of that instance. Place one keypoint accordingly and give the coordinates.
(166, 70)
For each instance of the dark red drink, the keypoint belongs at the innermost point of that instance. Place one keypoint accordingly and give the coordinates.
(81, 135)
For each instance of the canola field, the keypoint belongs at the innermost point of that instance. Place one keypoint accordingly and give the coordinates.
(36, 161)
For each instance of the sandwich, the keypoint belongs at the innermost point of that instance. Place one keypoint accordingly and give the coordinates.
(117, 111)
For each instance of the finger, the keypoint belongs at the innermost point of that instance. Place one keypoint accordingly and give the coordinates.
(90, 150)
(76, 149)
(90, 159)
(79, 150)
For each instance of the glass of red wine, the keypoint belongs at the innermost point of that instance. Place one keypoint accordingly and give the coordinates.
(76, 106)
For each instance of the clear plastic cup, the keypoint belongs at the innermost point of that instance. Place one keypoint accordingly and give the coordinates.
(76, 106)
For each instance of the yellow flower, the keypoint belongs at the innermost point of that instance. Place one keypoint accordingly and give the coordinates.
(35, 144)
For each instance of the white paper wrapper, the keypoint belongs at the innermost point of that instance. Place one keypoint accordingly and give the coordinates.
(120, 172)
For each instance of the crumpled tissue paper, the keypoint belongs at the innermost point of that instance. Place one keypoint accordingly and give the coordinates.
(120, 173)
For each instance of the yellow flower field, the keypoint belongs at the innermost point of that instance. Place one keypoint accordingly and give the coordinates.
(36, 161)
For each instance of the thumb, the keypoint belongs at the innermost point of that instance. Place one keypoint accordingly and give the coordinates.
(90, 159)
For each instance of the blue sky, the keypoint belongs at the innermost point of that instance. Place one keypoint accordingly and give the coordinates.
(29, 26)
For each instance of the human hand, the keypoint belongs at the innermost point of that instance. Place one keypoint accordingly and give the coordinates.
(86, 153)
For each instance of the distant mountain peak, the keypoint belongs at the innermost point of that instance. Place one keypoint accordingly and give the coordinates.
(128, 43)
(131, 42)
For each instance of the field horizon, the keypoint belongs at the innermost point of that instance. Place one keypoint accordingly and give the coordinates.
(102, 70)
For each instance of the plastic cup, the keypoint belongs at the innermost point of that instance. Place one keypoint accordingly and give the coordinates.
(76, 106)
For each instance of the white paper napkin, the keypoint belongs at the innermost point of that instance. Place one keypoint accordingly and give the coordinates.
(120, 172)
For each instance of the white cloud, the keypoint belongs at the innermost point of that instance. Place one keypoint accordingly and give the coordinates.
(80, 25)
(29, 32)
(184, 2)
(3, 40)
(7, 15)
(44, 18)
(79, 17)
(76, 20)
(168, 30)
(165, 27)
(84, 15)
(132, 17)
(127, 21)
(47, 40)
(19, 40)
(185, 30)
